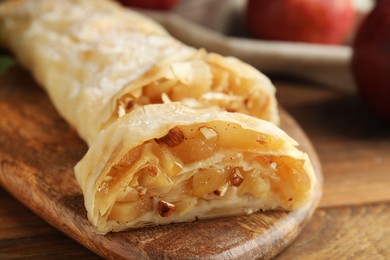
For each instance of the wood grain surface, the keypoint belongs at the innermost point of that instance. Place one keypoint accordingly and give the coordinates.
(37, 153)
(354, 149)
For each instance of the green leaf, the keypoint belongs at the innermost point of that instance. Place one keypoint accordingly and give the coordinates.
(5, 63)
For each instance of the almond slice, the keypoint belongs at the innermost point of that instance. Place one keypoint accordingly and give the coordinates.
(208, 133)
(174, 137)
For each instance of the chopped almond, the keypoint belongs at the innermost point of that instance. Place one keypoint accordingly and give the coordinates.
(236, 178)
(174, 137)
(208, 133)
(165, 209)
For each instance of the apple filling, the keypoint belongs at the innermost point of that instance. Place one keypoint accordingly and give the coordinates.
(200, 84)
(205, 166)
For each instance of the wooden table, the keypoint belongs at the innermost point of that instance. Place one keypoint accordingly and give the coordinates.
(354, 217)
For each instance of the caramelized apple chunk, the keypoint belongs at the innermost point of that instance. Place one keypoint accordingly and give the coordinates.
(196, 146)
(253, 184)
(208, 180)
(249, 140)
(290, 179)
(169, 163)
(128, 211)
(152, 177)
(128, 194)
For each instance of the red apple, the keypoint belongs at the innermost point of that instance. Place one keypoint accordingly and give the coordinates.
(151, 4)
(314, 21)
(371, 59)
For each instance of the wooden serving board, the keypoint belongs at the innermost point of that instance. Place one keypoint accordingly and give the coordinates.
(38, 150)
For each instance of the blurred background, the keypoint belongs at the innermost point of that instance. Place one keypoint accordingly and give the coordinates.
(307, 40)
(228, 16)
